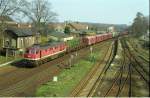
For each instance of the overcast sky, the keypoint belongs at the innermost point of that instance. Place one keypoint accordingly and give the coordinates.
(100, 11)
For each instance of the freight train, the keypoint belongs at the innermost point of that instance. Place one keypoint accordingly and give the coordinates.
(39, 54)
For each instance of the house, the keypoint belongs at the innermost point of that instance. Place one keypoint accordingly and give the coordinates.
(58, 27)
(111, 29)
(88, 33)
(18, 38)
(82, 33)
(76, 26)
(59, 36)
(76, 33)
(24, 25)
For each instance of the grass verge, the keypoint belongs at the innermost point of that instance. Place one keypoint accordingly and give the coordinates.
(68, 78)
(4, 60)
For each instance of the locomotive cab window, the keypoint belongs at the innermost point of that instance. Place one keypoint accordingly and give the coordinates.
(37, 52)
(32, 51)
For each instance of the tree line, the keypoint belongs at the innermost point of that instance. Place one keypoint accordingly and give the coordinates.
(140, 25)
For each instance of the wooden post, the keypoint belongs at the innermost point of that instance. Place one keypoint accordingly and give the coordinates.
(70, 63)
(72, 57)
(15, 54)
(6, 54)
(76, 56)
(91, 50)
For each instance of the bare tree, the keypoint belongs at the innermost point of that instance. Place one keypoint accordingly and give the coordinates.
(39, 13)
(7, 8)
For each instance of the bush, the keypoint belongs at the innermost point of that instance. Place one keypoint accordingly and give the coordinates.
(43, 39)
(73, 43)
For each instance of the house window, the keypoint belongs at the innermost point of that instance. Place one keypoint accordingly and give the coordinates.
(7, 43)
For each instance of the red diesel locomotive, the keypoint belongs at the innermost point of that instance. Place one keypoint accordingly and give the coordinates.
(39, 52)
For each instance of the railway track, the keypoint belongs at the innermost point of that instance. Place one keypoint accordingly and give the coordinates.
(136, 66)
(102, 75)
(79, 90)
(85, 88)
(125, 78)
(30, 78)
(135, 62)
(139, 53)
(111, 85)
(117, 83)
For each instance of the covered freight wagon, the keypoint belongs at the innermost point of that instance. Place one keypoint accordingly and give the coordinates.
(89, 40)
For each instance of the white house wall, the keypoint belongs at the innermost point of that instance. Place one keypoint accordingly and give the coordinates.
(23, 42)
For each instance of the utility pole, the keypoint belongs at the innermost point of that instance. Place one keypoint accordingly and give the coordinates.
(91, 50)
(76, 54)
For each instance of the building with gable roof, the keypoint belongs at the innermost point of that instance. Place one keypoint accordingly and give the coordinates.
(18, 38)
